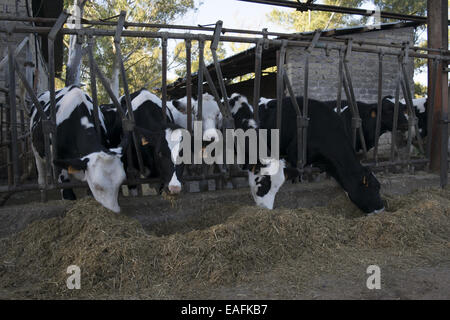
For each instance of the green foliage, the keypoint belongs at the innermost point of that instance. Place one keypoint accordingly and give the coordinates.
(297, 21)
(142, 57)
(420, 91)
(180, 56)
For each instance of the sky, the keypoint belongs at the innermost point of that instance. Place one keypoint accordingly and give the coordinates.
(245, 15)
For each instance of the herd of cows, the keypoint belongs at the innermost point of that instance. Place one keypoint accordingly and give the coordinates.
(101, 160)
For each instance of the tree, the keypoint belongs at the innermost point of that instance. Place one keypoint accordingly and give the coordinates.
(180, 56)
(142, 57)
(311, 20)
(75, 50)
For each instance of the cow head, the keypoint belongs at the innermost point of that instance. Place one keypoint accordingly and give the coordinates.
(103, 172)
(266, 178)
(165, 146)
(364, 191)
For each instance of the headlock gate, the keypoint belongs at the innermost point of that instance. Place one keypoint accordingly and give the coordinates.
(15, 143)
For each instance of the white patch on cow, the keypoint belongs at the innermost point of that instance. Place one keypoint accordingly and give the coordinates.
(211, 115)
(251, 123)
(419, 104)
(238, 104)
(143, 96)
(86, 123)
(117, 150)
(264, 101)
(376, 211)
(276, 181)
(178, 117)
(173, 138)
(342, 109)
(104, 175)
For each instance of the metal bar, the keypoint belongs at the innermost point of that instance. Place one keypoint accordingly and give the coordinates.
(170, 26)
(379, 107)
(408, 98)
(445, 140)
(127, 126)
(201, 70)
(396, 107)
(280, 82)
(188, 85)
(17, 50)
(340, 82)
(257, 81)
(164, 77)
(356, 121)
(13, 112)
(93, 85)
(220, 79)
(182, 36)
(304, 6)
(430, 105)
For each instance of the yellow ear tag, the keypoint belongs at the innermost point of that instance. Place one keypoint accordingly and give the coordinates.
(72, 170)
(365, 181)
(373, 114)
(144, 141)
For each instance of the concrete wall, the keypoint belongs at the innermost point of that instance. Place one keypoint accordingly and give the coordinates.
(323, 70)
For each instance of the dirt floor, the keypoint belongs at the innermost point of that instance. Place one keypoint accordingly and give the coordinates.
(218, 245)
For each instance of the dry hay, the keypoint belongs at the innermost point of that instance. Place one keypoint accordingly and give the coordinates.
(117, 257)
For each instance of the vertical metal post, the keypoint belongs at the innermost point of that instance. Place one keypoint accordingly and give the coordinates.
(430, 106)
(379, 107)
(201, 63)
(93, 84)
(437, 14)
(164, 76)
(396, 107)
(340, 82)
(280, 83)
(188, 85)
(12, 108)
(257, 82)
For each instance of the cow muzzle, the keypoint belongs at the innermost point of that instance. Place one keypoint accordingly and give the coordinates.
(174, 189)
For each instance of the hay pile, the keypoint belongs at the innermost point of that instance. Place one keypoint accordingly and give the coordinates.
(117, 257)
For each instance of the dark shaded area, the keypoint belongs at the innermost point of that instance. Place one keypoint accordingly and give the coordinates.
(50, 9)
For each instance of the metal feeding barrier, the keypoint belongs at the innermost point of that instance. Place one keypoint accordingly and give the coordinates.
(15, 137)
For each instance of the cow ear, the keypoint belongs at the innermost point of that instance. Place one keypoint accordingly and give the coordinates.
(72, 164)
(291, 173)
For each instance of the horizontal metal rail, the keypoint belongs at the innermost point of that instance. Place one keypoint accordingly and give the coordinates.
(183, 36)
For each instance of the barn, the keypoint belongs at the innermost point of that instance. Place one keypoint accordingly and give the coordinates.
(323, 68)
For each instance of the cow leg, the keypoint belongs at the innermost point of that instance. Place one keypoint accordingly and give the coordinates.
(67, 194)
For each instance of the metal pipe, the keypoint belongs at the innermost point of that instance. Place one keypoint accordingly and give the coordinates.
(379, 107)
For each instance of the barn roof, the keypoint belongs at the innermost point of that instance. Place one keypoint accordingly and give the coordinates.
(244, 62)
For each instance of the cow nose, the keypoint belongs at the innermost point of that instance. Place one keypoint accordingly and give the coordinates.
(174, 189)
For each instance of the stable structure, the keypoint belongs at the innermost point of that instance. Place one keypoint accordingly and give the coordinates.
(214, 77)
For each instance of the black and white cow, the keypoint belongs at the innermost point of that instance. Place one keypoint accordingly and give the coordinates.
(328, 147)
(267, 176)
(420, 110)
(368, 114)
(158, 141)
(80, 152)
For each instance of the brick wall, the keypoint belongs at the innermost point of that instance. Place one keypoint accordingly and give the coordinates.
(323, 69)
